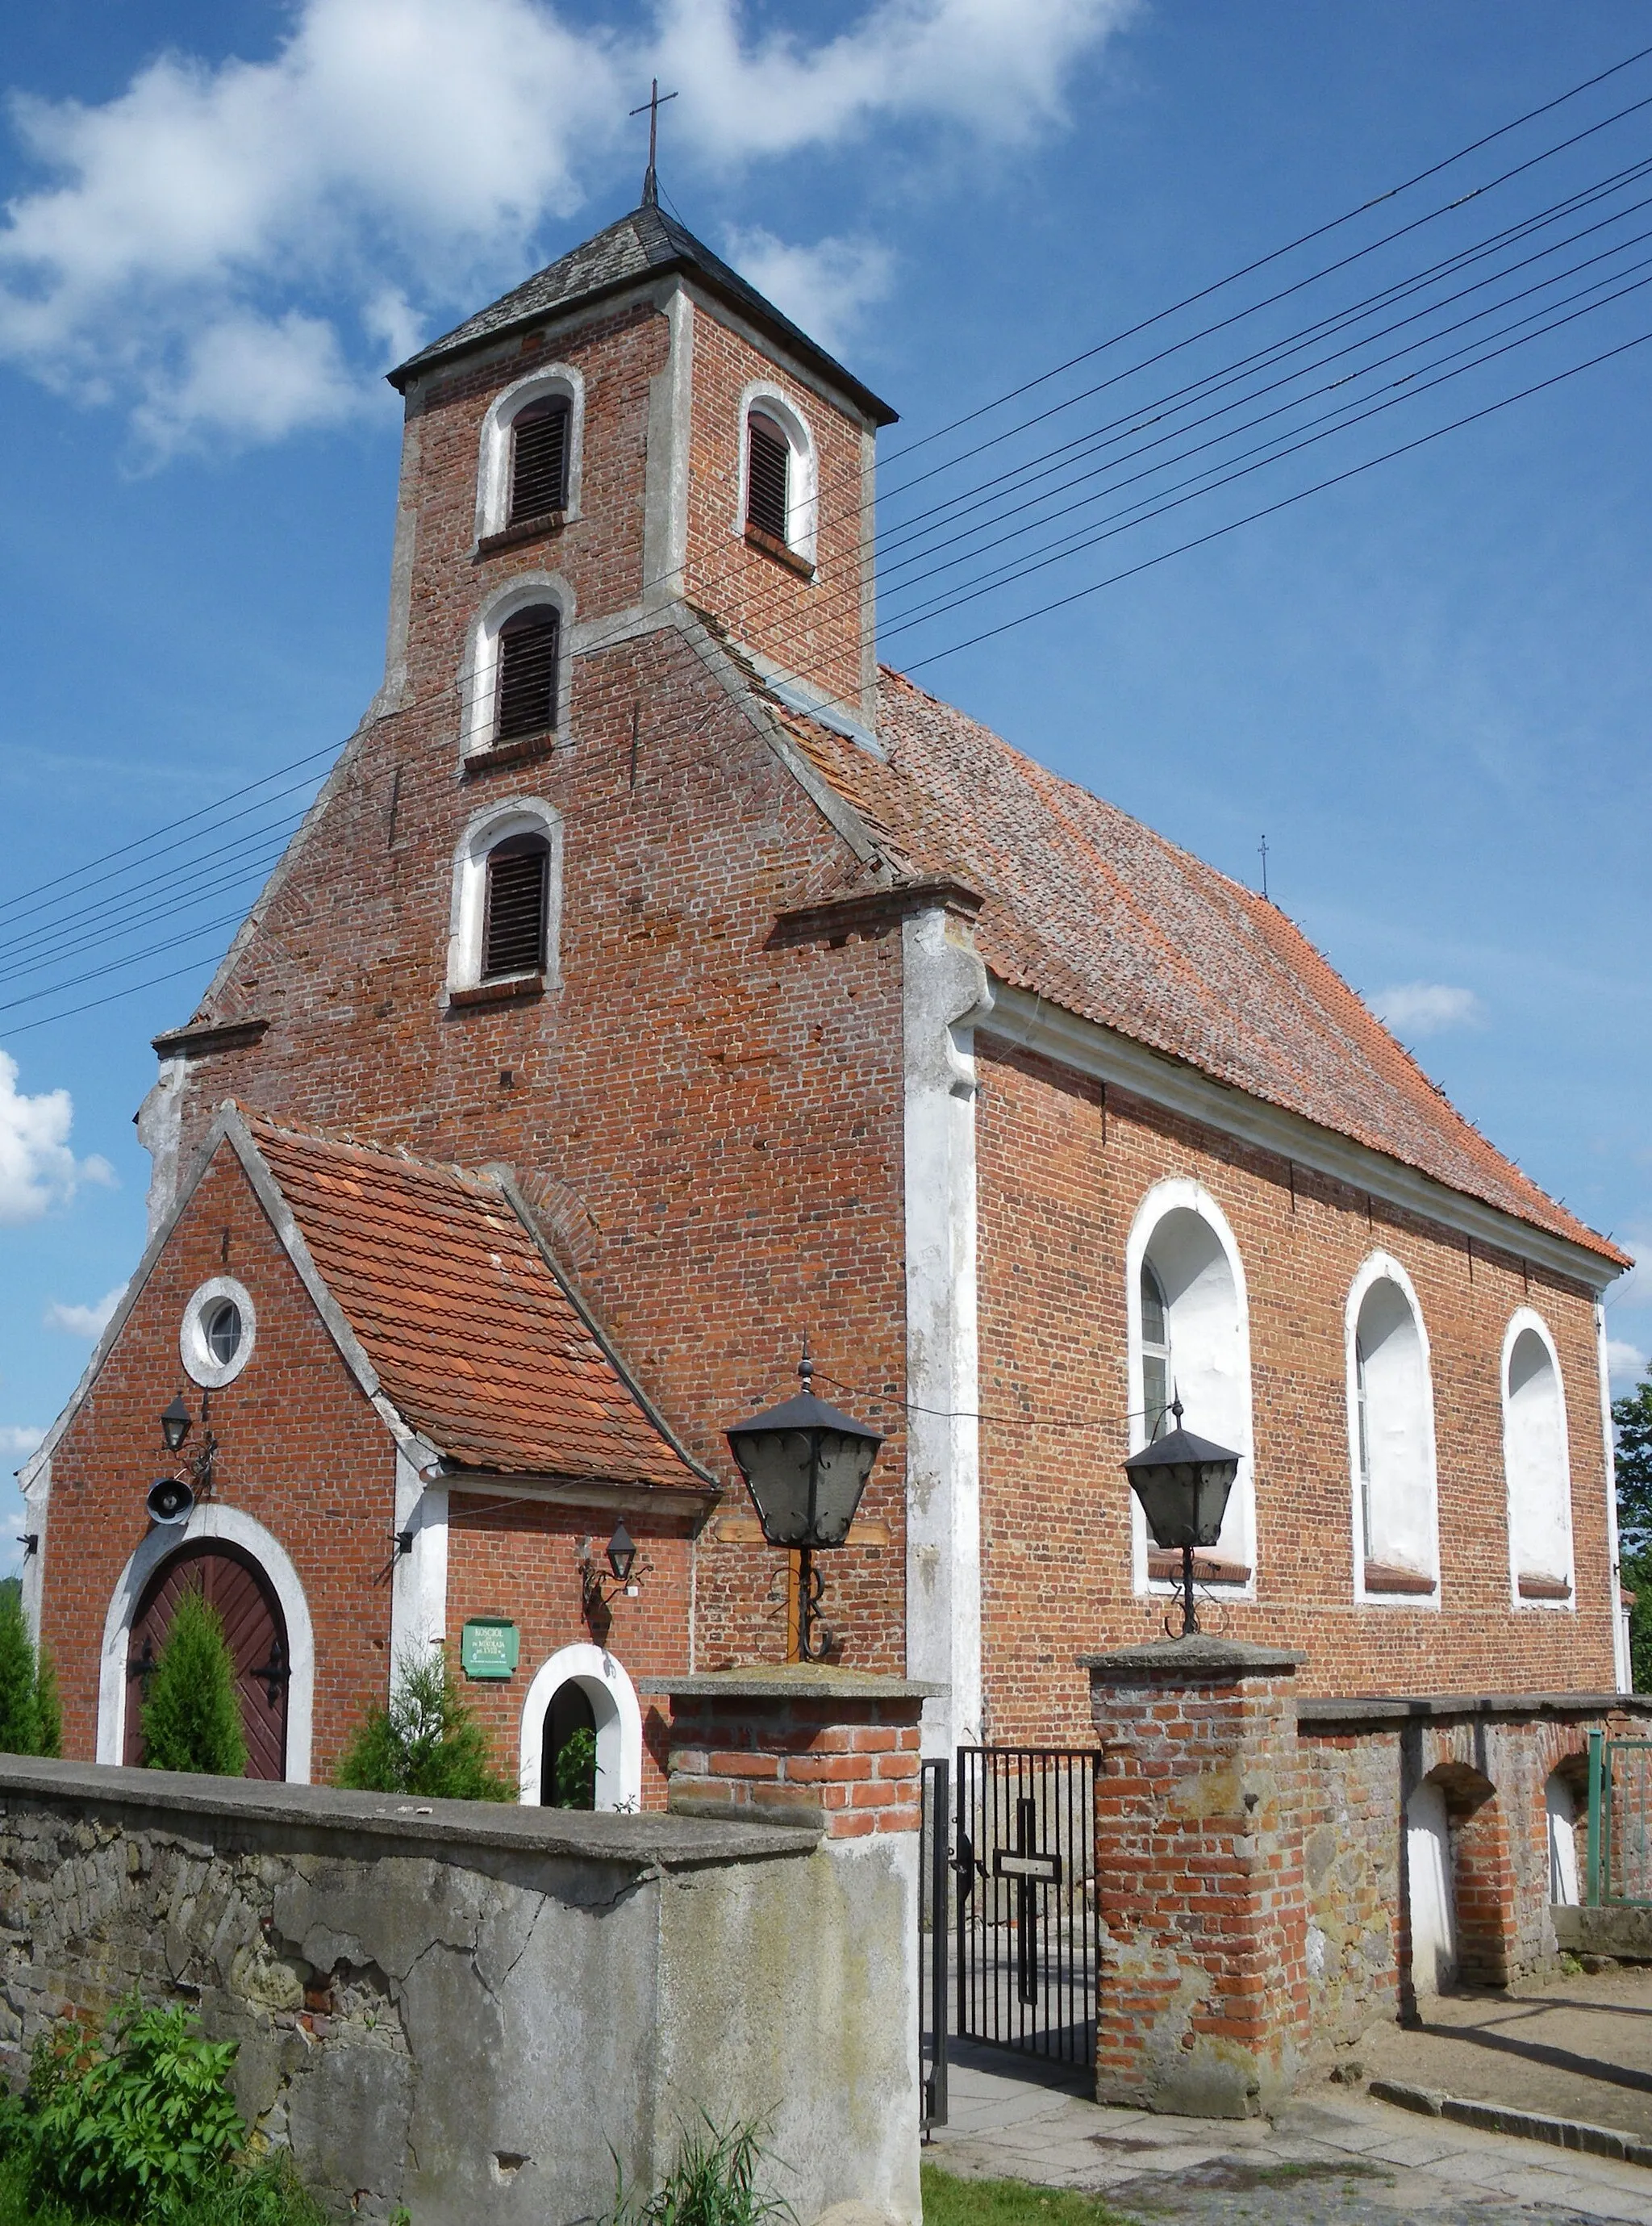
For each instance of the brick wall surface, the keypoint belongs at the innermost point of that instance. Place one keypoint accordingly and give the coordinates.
(520, 1559)
(300, 1450)
(1065, 1168)
(858, 1762)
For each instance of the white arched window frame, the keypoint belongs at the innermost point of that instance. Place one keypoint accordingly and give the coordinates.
(1184, 1233)
(1395, 1491)
(555, 382)
(499, 823)
(618, 1720)
(229, 1526)
(802, 471)
(479, 682)
(1537, 1467)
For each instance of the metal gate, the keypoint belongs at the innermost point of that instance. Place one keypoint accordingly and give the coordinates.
(934, 1933)
(1025, 1925)
(1618, 1860)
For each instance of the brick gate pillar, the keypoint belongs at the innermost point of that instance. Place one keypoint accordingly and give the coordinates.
(1199, 1881)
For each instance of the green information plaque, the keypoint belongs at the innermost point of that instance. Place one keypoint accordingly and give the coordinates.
(488, 1646)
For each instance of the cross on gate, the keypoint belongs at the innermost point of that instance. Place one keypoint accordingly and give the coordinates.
(654, 103)
(1030, 1866)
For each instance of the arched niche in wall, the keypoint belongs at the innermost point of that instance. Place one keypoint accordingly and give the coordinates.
(1536, 1465)
(616, 1717)
(1189, 1334)
(1391, 1439)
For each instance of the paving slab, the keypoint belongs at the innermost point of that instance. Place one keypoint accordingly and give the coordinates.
(1336, 2157)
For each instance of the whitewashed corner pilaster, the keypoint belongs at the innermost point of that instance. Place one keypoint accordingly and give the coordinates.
(37, 1499)
(944, 993)
(418, 1591)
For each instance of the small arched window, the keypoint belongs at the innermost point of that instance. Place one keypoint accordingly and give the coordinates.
(513, 927)
(1391, 1437)
(539, 448)
(529, 649)
(1536, 1465)
(768, 476)
(1190, 1342)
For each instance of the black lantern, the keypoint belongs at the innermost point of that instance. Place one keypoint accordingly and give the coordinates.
(622, 1553)
(805, 1466)
(1183, 1483)
(176, 1422)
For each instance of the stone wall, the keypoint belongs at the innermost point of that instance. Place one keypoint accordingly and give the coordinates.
(462, 2009)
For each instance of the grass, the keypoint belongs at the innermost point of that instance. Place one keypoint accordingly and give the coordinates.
(267, 2196)
(950, 2202)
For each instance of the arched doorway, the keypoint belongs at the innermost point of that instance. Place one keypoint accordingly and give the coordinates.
(567, 1765)
(255, 1628)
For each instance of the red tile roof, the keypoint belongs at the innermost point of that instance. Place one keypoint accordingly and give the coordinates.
(1099, 914)
(476, 1342)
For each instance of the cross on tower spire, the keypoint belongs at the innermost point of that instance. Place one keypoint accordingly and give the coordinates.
(654, 103)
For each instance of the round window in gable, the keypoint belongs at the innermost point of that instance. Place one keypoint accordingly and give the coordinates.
(215, 1337)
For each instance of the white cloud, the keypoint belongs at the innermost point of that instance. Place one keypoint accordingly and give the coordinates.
(37, 1168)
(1425, 1009)
(18, 1440)
(228, 251)
(89, 1322)
(1626, 1363)
(826, 288)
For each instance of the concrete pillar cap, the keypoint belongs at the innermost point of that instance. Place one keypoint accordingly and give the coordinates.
(1203, 1659)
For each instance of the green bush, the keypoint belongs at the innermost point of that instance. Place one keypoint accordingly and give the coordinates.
(575, 1786)
(191, 1718)
(139, 2124)
(29, 1719)
(426, 1742)
(712, 2182)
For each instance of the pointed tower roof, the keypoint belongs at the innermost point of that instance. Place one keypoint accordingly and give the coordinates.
(644, 245)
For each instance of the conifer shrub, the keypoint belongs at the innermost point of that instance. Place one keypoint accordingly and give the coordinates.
(191, 1718)
(425, 1741)
(30, 1722)
(575, 1772)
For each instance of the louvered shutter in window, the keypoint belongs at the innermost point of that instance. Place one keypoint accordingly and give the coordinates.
(513, 931)
(768, 456)
(539, 460)
(528, 647)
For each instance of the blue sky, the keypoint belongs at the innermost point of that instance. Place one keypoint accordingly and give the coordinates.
(1427, 687)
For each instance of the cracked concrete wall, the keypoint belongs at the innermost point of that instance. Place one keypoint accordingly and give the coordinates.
(461, 2012)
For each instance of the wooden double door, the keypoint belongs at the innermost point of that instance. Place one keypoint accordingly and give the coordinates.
(237, 1587)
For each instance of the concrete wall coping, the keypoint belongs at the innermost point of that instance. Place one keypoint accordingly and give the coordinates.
(170, 1799)
(1203, 1659)
(791, 1680)
(1396, 1708)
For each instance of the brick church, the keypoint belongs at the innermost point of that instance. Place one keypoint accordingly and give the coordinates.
(657, 981)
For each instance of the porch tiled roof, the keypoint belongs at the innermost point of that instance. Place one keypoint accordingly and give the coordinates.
(1096, 912)
(476, 1342)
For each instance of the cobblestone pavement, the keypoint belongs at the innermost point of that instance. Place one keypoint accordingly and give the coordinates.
(1331, 2159)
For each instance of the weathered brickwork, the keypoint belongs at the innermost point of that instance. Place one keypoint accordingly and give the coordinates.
(300, 1450)
(1351, 1861)
(1204, 1989)
(1064, 1168)
(854, 1763)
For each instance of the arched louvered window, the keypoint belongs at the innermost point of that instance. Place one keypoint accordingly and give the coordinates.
(767, 471)
(513, 925)
(529, 647)
(539, 446)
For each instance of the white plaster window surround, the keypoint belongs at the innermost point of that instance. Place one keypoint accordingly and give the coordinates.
(486, 830)
(1190, 1245)
(803, 469)
(1394, 1492)
(479, 682)
(618, 1718)
(207, 1358)
(1181, 1231)
(553, 382)
(212, 1521)
(1537, 1467)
